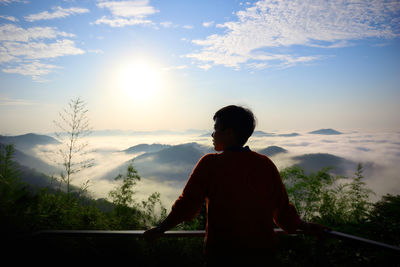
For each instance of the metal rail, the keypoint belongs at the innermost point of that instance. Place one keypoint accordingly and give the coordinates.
(191, 233)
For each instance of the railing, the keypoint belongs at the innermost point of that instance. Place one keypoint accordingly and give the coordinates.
(194, 233)
(320, 255)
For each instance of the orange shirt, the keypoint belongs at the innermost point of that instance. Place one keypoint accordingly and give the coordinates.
(244, 195)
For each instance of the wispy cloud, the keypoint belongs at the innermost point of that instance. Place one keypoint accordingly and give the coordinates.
(96, 51)
(38, 50)
(6, 2)
(208, 24)
(121, 22)
(6, 101)
(180, 67)
(21, 50)
(11, 32)
(58, 12)
(10, 18)
(268, 25)
(125, 13)
(168, 24)
(35, 69)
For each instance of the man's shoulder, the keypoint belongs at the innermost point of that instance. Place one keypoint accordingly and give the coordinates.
(210, 156)
(261, 159)
(260, 156)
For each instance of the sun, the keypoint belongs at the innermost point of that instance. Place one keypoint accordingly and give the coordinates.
(139, 81)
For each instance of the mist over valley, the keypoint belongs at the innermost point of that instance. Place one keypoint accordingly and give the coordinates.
(165, 159)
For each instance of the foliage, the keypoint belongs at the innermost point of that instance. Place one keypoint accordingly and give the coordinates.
(339, 202)
(123, 194)
(328, 199)
(74, 126)
(384, 219)
(8, 173)
(131, 213)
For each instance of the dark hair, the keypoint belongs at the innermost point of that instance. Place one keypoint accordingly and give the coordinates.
(241, 120)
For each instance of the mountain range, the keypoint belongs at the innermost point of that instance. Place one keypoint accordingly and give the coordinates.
(28, 141)
(325, 132)
(175, 163)
(162, 162)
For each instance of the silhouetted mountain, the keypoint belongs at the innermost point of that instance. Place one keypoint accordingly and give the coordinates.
(272, 150)
(206, 135)
(261, 133)
(31, 162)
(27, 141)
(174, 163)
(186, 153)
(145, 148)
(289, 135)
(325, 132)
(315, 162)
(34, 177)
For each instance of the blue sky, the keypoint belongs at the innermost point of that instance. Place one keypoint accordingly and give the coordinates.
(149, 65)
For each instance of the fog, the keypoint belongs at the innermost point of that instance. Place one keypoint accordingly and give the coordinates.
(379, 152)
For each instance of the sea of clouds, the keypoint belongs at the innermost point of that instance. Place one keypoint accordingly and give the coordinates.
(378, 151)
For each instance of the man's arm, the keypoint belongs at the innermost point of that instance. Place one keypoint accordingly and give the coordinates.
(189, 203)
(285, 214)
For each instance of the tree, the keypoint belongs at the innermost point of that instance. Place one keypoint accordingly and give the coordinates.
(128, 211)
(123, 194)
(73, 124)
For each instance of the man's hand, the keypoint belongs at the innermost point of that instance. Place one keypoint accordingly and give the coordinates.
(153, 234)
(313, 228)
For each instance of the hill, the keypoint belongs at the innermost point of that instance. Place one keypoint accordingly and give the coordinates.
(174, 163)
(325, 132)
(272, 151)
(31, 161)
(317, 161)
(23, 164)
(145, 148)
(27, 141)
(261, 133)
(289, 135)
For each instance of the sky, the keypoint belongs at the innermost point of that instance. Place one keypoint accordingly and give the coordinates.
(151, 65)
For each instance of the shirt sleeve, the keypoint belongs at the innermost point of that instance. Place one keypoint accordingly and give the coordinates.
(284, 213)
(189, 203)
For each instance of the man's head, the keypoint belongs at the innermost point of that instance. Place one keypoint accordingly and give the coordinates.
(233, 126)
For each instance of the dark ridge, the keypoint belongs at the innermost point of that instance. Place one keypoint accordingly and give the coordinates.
(272, 150)
(325, 132)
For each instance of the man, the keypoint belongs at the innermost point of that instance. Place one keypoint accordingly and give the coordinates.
(244, 196)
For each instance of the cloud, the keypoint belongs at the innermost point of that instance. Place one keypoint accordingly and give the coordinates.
(58, 12)
(22, 50)
(6, 101)
(268, 25)
(10, 18)
(11, 32)
(121, 22)
(208, 24)
(188, 27)
(180, 67)
(168, 24)
(205, 66)
(96, 51)
(35, 69)
(6, 2)
(125, 13)
(38, 50)
(380, 156)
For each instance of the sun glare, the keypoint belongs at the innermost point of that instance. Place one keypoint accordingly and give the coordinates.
(140, 81)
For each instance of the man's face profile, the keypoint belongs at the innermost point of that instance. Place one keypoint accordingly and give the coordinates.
(222, 138)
